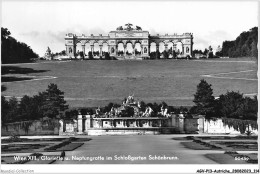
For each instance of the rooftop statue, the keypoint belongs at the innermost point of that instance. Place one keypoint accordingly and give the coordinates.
(119, 28)
(128, 27)
(138, 28)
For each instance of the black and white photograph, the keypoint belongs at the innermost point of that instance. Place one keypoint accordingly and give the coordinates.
(129, 86)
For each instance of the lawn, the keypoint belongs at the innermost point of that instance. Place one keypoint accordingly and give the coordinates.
(96, 83)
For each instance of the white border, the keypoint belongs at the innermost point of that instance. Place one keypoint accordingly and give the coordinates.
(130, 168)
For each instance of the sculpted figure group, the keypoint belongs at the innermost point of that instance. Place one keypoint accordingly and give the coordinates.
(129, 102)
(129, 27)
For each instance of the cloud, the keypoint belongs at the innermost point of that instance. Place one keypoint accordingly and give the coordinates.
(31, 33)
(211, 38)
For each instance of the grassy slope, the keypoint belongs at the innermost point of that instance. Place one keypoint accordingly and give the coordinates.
(173, 81)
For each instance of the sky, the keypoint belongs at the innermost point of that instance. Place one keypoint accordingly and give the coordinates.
(40, 24)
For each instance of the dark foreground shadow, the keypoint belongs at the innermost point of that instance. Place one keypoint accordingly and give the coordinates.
(14, 79)
(19, 70)
(3, 88)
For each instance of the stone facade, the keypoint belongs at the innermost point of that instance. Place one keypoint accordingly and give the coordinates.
(129, 35)
(89, 125)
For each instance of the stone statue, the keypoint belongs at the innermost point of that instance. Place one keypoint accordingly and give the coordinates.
(164, 111)
(148, 112)
(138, 104)
(129, 27)
(112, 50)
(130, 99)
(138, 28)
(98, 111)
(119, 28)
(112, 111)
(70, 50)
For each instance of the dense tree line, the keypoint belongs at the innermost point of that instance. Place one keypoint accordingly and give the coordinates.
(47, 104)
(229, 105)
(245, 45)
(13, 51)
(51, 104)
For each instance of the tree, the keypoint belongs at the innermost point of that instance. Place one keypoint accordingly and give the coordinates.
(81, 54)
(173, 54)
(90, 55)
(244, 45)
(54, 102)
(49, 103)
(107, 56)
(153, 55)
(4, 109)
(165, 54)
(12, 114)
(13, 51)
(234, 105)
(254, 50)
(142, 106)
(205, 51)
(210, 52)
(71, 114)
(219, 52)
(5, 33)
(230, 104)
(26, 108)
(204, 99)
(197, 52)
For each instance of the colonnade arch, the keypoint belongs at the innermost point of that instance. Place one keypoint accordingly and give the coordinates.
(138, 49)
(129, 40)
(152, 47)
(120, 49)
(179, 48)
(129, 48)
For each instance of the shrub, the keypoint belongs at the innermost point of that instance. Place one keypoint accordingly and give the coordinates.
(230, 152)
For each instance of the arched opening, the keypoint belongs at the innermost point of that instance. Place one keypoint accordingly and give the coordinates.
(120, 49)
(137, 48)
(87, 49)
(161, 48)
(153, 50)
(170, 49)
(179, 48)
(105, 47)
(96, 50)
(129, 49)
(79, 51)
(152, 47)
